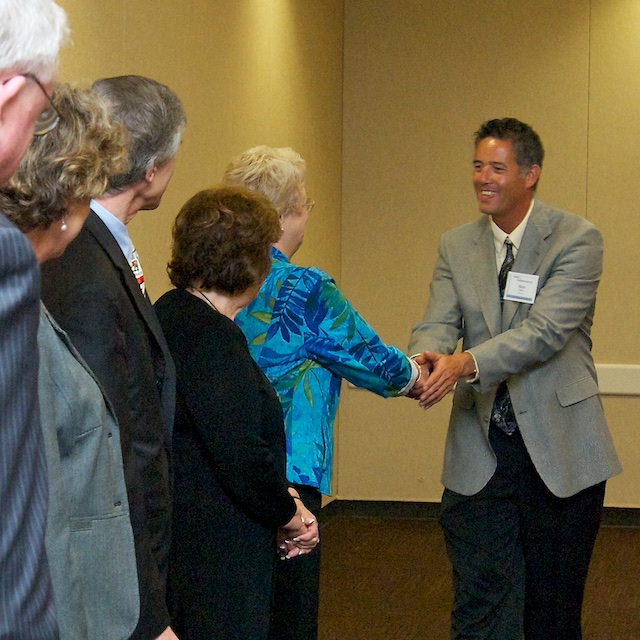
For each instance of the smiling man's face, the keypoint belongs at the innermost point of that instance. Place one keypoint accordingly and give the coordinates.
(503, 189)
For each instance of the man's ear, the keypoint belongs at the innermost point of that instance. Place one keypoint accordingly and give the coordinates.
(151, 173)
(532, 176)
(9, 89)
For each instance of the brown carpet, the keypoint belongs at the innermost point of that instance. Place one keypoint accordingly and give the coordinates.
(389, 579)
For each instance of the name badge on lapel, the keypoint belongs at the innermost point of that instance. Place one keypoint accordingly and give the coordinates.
(521, 287)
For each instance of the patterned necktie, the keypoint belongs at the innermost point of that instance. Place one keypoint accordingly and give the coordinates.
(505, 268)
(502, 414)
(136, 267)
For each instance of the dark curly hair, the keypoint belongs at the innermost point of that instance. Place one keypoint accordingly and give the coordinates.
(221, 240)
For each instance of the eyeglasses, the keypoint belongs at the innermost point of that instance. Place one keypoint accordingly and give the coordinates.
(309, 204)
(49, 118)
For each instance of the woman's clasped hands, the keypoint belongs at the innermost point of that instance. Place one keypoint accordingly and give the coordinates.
(301, 534)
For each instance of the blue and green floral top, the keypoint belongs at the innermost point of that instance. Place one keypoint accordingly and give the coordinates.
(306, 337)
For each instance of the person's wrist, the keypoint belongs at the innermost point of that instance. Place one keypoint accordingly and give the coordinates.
(419, 372)
(471, 368)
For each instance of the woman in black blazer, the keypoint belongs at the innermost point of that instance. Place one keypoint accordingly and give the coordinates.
(231, 493)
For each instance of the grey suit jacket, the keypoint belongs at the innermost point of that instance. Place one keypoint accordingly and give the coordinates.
(89, 538)
(542, 350)
(92, 293)
(26, 602)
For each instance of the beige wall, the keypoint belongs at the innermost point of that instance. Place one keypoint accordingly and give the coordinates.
(419, 76)
(248, 72)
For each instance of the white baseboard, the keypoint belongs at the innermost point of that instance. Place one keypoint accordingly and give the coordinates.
(619, 379)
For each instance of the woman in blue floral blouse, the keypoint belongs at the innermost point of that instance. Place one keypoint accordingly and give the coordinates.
(305, 336)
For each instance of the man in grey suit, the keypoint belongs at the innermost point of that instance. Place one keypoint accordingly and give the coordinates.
(528, 450)
(31, 32)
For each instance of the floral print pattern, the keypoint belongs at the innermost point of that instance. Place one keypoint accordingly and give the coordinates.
(305, 336)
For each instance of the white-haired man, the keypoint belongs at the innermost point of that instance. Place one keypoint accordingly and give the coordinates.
(31, 32)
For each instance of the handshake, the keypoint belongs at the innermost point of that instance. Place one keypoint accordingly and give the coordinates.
(439, 374)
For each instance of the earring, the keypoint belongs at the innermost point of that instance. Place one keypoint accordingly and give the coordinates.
(63, 226)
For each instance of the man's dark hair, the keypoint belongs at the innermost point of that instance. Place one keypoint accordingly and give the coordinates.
(525, 141)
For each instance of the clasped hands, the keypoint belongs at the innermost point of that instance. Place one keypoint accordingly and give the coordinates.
(300, 535)
(438, 375)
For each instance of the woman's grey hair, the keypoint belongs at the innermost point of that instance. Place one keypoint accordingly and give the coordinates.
(31, 34)
(154, 117)
(278, 173)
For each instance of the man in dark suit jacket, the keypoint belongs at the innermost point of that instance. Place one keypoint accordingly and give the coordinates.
(528, 449)
(96, 293)
(26, 78)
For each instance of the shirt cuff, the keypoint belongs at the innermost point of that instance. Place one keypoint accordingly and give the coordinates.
(474, 377)
(415, 374)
